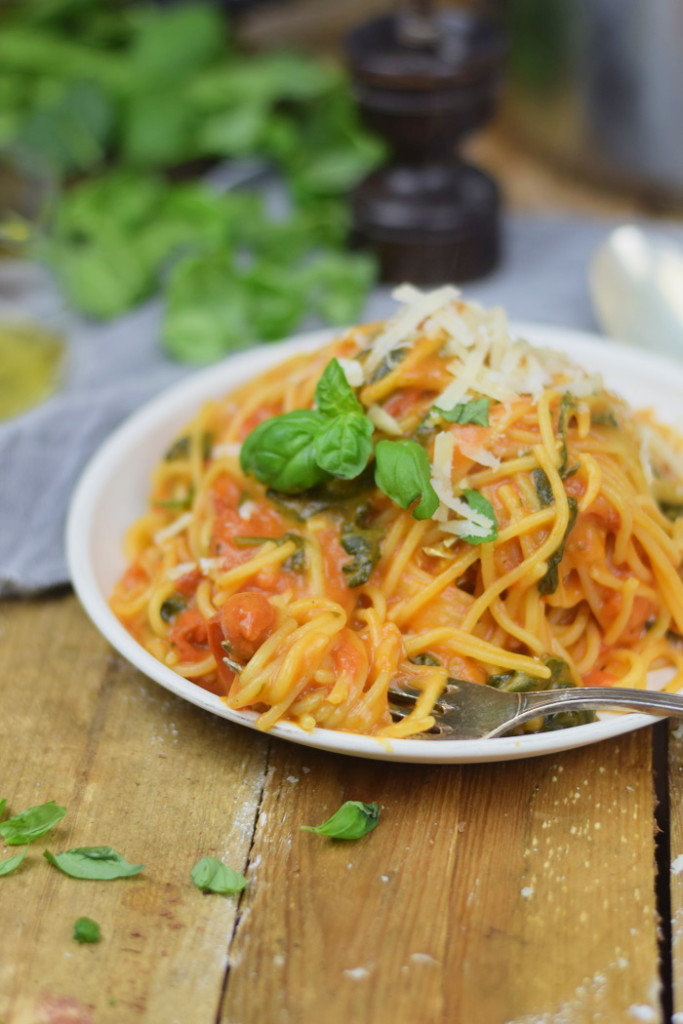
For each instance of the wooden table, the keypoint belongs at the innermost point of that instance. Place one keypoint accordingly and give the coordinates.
(545, 891)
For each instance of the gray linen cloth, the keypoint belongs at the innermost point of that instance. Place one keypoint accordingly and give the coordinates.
(113, 368)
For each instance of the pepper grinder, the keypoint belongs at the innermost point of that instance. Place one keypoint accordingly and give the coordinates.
(423, 80)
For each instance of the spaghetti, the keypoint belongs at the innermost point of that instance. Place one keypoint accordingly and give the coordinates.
(421, 499)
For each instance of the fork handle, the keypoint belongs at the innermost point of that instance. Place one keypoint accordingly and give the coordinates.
(595, 698)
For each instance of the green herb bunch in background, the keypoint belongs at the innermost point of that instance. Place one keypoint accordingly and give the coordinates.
(126, 105)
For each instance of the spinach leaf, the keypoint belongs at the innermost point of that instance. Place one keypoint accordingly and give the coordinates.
(549, 582)
(281, 451)
(353, 820)
(172, 607)
(93, 862)
(364, 547)
(31, 824)
(543, 488)
(424, 659)
(567, 407)
(210, 875)
(560, 678)
(474, 411)
(403, 473)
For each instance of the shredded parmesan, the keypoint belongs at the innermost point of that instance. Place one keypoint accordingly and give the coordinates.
(247, 509)
(231, 449)
(384, 421)
(353, 371)
(421, 305)
(477, 454)
(177, 526)
(181, 569)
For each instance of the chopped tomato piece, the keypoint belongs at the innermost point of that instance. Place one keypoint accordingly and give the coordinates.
(188, 634)
(247, 620)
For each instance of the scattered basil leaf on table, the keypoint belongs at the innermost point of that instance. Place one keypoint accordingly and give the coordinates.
(3, 804)
(11, 864)
(87, 930)
(93, 862)
(475, 411)
(31, 824)
(403, 473)
(478, 503)
(353, 820)
(210, 875)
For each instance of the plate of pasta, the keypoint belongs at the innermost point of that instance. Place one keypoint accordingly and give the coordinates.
(283, 537)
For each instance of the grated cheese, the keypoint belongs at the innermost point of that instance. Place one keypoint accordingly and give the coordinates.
(383, 420)
(353, 371)
(477, 454)
(181, 569)
(177, 526)
(247, 509)
(231, 449)
(420, 306)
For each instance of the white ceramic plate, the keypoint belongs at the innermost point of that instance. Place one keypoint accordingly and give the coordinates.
(113, 490)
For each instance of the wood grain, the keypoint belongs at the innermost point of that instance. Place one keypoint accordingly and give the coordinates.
(519, 892)
(675, 878)
(161, 781)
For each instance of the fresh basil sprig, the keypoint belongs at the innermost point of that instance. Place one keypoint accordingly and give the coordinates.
(11, 864)
(344, 446)
(210, 875)
(87, 930)
(403, 472)
(31, 824)
(353, 820)
(299, 449)
(93, 862)
(333, 393)
(474, 411)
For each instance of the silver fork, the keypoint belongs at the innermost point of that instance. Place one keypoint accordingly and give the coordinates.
(468, 711)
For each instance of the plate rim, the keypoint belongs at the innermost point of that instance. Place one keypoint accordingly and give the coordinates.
(240, 366)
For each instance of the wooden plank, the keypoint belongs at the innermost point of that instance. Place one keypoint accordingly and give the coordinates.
(515, 892)
(138, 769)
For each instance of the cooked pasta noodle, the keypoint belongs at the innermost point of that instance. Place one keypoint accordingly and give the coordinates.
(535, 552)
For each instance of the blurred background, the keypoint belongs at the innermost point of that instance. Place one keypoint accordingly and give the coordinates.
(182, 180)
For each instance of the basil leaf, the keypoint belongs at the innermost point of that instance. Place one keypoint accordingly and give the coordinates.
(280, 452)
(478, 503)
(210, 875)
(549, 582)
(353, 820)
(93, 862)
(344, 446)
(333, 394)
(11, 864)
(476, 411)
(3, 804)
(31, 824)
(87, 930)
(403, 472)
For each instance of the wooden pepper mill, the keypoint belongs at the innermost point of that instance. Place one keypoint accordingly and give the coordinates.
(423, 80)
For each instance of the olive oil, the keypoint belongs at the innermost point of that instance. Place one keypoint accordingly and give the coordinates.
(30, 364)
